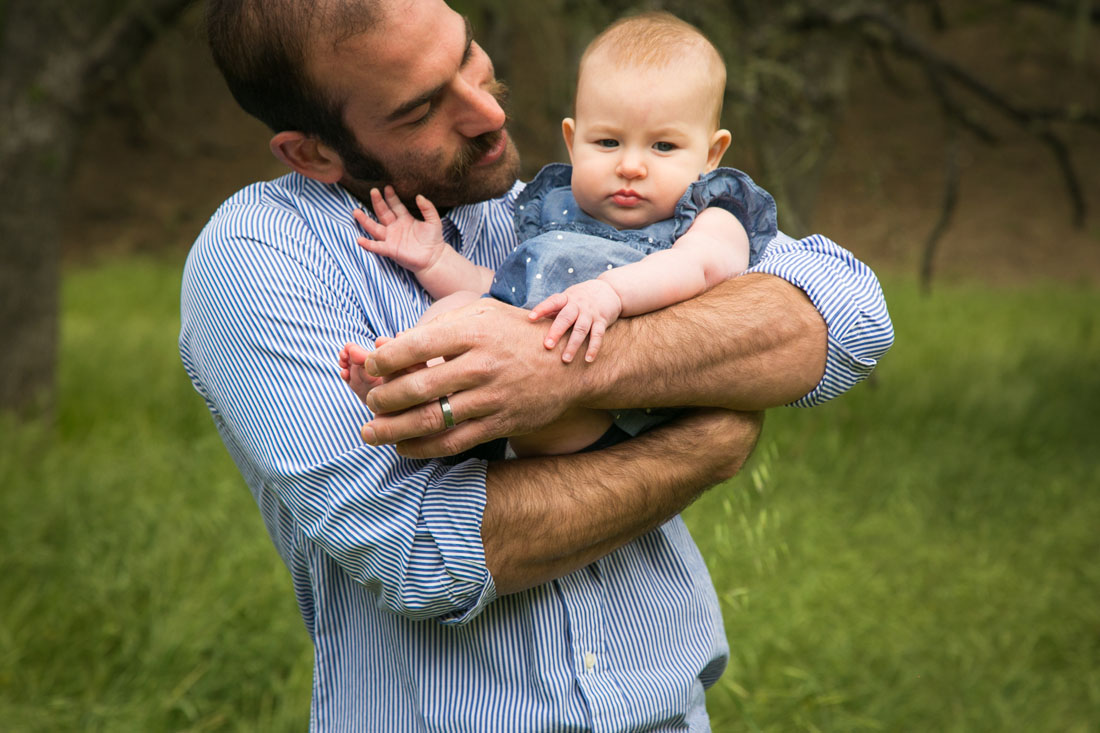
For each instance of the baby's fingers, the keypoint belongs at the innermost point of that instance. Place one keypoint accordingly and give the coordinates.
(595, 340)
(369, 225)
(381, 208)
(395, 203)
(427, 210)
(566, 318)
(548, 307)
(576, 339)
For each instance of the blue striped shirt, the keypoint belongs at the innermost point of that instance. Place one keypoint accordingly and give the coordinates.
(384, 552)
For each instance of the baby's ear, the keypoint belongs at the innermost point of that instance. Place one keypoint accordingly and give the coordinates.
(568, 129)
(719, 144)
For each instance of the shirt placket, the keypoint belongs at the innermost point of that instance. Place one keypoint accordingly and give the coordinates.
(595, 670)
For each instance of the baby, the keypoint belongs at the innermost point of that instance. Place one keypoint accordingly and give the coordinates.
(640, 221)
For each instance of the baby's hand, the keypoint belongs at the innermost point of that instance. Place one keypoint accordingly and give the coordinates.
(589, 307)
(411, 243)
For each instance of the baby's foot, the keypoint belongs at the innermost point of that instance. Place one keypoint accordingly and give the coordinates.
(352, 371)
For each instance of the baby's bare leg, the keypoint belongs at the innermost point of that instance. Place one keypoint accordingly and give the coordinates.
(573, 431)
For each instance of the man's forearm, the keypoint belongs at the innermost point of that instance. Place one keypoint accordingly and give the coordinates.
(545, 517)
(750, 343)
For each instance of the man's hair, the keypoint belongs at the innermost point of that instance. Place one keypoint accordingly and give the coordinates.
(656, 40)
(262, 48)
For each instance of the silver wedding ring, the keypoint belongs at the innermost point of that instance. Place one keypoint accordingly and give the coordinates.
(448, 416)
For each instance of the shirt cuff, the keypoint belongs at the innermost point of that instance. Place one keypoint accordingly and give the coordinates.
(849, 299)
(452, 513)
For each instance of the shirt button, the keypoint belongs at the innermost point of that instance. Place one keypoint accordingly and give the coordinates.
(589, 661)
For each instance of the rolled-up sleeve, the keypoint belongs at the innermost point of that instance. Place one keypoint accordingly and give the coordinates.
(849, 298)
(262, 323)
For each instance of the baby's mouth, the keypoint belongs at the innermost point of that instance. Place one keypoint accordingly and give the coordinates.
(626, 197)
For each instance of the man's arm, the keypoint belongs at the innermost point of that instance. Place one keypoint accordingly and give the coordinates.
(749, 343)
(805, 324)
(714, 249)
(545, 517)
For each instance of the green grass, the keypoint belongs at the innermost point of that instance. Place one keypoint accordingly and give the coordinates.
(920, 555)
(139, 589)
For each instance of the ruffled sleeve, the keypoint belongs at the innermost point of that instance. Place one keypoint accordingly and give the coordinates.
(529, 203)
(734, 191)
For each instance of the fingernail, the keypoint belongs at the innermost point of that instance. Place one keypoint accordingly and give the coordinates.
(549, 343)
(368, 435)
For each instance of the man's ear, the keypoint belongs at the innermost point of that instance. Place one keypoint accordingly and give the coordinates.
(568, 129)
(719, 144)
(308, 156)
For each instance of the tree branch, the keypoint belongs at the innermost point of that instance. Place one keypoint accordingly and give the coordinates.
(1069, 8)
(950, 184)
(1035, 123)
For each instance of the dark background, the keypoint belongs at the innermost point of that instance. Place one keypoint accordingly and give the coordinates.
(170, 145)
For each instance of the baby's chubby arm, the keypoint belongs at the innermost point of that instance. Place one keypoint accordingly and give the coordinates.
(714, 249)
(418, 246)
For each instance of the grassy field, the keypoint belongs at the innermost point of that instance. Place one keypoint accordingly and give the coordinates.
(920, 555)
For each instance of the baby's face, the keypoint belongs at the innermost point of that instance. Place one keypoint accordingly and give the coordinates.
(640, 137)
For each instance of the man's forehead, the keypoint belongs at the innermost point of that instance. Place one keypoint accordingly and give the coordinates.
(414, 46)
(421, 92)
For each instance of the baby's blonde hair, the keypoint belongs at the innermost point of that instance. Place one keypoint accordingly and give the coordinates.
(656, 40)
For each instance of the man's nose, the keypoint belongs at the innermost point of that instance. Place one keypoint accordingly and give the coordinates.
(479, 112)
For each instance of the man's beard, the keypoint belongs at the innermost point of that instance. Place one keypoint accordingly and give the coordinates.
(446, 185)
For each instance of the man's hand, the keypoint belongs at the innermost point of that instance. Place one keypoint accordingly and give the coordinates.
(588, 307)
(498, 377)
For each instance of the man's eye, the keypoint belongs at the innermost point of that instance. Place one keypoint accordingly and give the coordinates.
(425, 114)
(663, 147)
(420, 115)
(607, 143)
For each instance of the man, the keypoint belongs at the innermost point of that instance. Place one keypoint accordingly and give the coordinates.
(544, 594)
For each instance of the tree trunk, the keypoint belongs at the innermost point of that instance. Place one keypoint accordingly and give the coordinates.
(56, 58)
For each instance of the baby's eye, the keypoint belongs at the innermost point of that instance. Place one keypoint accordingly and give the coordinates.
(607, 143)
(663, 147)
